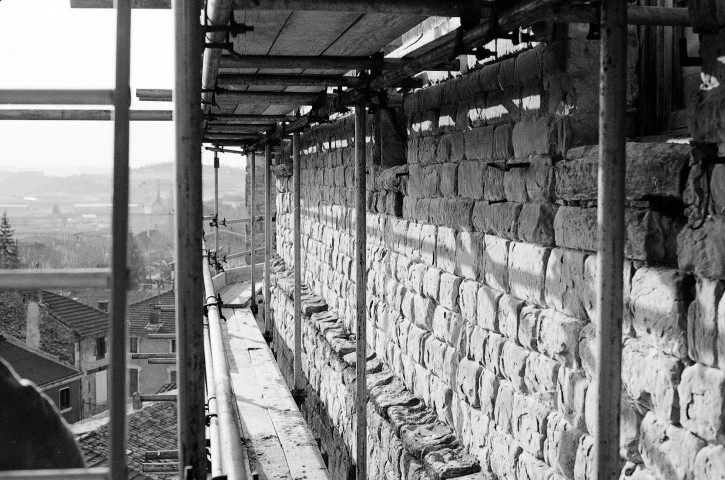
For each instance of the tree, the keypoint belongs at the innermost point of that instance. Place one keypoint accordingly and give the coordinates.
(135, 262)
(8, 246)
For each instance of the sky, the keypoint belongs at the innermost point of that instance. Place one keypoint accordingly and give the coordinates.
(46, 44)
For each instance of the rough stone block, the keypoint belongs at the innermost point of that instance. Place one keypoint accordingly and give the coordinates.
(458, 147)
(428, 150)
(459, 213)
(531, 468)
(527, 271)
(540, 377)
(536, 223)
(467, 300)
(572, 396)
(449, 179)
(704, 322)
(488, 390)
(653, 170)
(667, 451)
(502, 147)
(529, 424)
(560, 446)
(702, 251)
(584, 464)
(492, 352)
(487, 308)
(513, 364)
(651, 378)
(534, 137)
(468, 381)
(709, 463)
(514, 186)
(509, 308)
(702, 402)
(469, 246)
(416, 344)
(495, 263)
(470, 179)
(505, 452)
(659, 301)
(477, 344)
(420, 440)
(447, 325)
(451, 463)
(495, 109)
(565, 283)
(479, 143)
(504, 407)
(424, 310)
(529, 326)
(445, 257)
(500, 219)
(431, 282)
(540, 179)
(493, 182)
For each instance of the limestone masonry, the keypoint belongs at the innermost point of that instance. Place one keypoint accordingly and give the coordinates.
(481, 284)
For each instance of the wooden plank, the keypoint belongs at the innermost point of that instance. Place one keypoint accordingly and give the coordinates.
(256, 422)
(300, 448)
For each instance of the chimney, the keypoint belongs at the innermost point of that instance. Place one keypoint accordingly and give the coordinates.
(32, 324)
(103, 305)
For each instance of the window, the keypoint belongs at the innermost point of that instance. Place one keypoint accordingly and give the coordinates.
(132, 381)
(172, 376)
(100, 347)
(133, 344)
(172, 346)
(64, 399)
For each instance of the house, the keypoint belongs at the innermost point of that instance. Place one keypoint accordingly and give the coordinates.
(152, 329)
(60, 382)
(151, 429)
(88, 329)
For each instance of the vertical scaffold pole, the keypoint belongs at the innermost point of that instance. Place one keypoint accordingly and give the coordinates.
(252, 224)
(361, 396)
(216, 205)
(119, 282)
(267, 236)
(188, 216)
(298, 261)
(611, 234)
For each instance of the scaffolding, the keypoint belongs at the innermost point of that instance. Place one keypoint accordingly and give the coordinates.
(205, 391)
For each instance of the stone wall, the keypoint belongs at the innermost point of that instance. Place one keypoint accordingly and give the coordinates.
(481, 273)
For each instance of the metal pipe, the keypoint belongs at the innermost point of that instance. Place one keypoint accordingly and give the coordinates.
(611, 235)
(216, 201)
(57, 97)
(162, 361)
(274, 98)
(188, 212)
(361, 397)
(222, 150)
(217, 468)
(267, 236)
(83, 115)
(230, 434)
(55, 278)
(217, 13)
(245, 117)
(289, 80)
(244, 220)
(161, 455)
(117, 385)
(158, 398)
(146, 356)
(233, 129)
(253, 186)
(245, 253)
(297, 239)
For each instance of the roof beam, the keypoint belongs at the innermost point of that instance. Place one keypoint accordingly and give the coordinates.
(323, 62)
(293, 80)
(441, 8)
(248, 117)
(85, 115)
(254, 98)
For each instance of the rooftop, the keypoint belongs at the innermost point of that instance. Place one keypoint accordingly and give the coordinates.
(80, 318)
(139, 314)
(38, 367)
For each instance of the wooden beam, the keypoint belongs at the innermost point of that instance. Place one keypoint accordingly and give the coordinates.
(233, 130)
(84, 115)
(292, 80)
(260, 98)
(326, 62)
(257, 125)
(244, 117)
(441, 8)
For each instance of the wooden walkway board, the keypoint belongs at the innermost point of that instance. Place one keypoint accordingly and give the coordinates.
(282, 442)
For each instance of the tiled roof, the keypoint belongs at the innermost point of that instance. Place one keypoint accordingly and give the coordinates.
(38, 367)
(91, 297)
(82, 319)
(149, 429)
(140, 313)
(167, 387)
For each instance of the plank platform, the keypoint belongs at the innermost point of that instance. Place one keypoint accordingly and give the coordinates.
(282, 446)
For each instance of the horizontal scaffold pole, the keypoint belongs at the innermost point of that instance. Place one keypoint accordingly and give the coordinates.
(291, 80)
(86, 115)
(264, 98)
(247, 117)
(306, 62)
